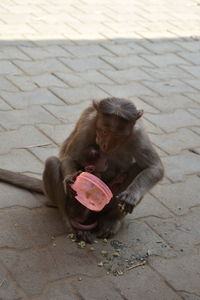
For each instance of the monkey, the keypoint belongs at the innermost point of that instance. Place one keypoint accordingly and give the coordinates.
(133, 165)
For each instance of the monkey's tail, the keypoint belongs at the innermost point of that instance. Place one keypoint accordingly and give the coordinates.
(23, 181)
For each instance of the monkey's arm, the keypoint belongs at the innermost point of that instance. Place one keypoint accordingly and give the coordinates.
(151, 172)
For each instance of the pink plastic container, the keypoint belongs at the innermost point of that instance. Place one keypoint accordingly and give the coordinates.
(92, 192)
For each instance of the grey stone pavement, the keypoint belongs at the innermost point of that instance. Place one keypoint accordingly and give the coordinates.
(55, 57)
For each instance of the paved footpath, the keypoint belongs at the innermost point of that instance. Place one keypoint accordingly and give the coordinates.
(57, 55)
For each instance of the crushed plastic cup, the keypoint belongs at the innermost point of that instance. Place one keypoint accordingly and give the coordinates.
(91, 191)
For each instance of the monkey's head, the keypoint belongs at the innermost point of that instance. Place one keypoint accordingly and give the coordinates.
(115, 120)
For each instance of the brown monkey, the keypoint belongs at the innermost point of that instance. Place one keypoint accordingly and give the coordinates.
(114, 125)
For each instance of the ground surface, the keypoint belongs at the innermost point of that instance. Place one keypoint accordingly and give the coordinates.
(57, 55)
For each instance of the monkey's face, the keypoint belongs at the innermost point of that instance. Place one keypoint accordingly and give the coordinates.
(112, 132)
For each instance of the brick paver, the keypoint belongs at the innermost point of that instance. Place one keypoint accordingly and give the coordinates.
(55, 57)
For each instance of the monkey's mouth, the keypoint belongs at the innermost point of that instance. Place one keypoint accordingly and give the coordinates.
(82, 226)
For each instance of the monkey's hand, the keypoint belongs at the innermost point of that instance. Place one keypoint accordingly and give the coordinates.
(85, 236)
(127, 201)
(69, 179)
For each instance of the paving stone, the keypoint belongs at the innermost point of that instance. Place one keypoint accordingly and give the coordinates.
(193, 83)
(11, 235)
(167, 59)
(26, 136)
(196, 112)
(151, 128)
(39, 67)
(193, 70)
(122, 63)
(177, 167)
(32, 115)
(168, 73)
(4, 105)
(191, 46)
(123, 50)
(67, 254)
(125, 76)
(182, 233)
(187, 296)
(172, 121)
(58, 133)
(9, 289)
(85, 64)
(25, 83)
(127, 90)
(68, 114)
(41, 224)
(169, 87)
(183, 139)
(6, 85)
(31, 269)
(72, 79)
(73, 95)
(58, 290)
(149, 206)
(179, 197)
(12, 53)
(194, 96)
(86, 51)
(164, 47)
(99, 289)
(182, 274)
(44, 152)
(192, 57)
(6, 67)
(48, 80)
(12, 196)
(140, 104)
(139, 238)
(166, 104)
(95, 77)
(20, 161)
(196, 129)
(145, 284)
(24, 99)
(37, 53)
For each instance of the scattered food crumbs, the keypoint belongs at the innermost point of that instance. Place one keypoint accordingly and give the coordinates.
(116, 254)
(108, 273)
(148, 252)
(104, 252)
(100, 264)
(92, 248)
(54, 244)
(73, 240)
(119, 272)
(96, 242)
(82, 244)
(70, 235)
(79, 279)
(53, 237)
(105, 241)
(142, 263)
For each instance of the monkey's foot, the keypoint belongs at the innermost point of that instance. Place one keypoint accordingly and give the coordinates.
(108, 228)
(85, 236)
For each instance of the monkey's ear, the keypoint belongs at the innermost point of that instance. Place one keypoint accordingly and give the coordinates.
(95, 104)
(139, 114)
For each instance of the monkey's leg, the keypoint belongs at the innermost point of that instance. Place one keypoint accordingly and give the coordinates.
(53, 184)
(111, 218)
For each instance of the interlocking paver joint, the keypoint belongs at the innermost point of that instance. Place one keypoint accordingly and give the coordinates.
(57, 55)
